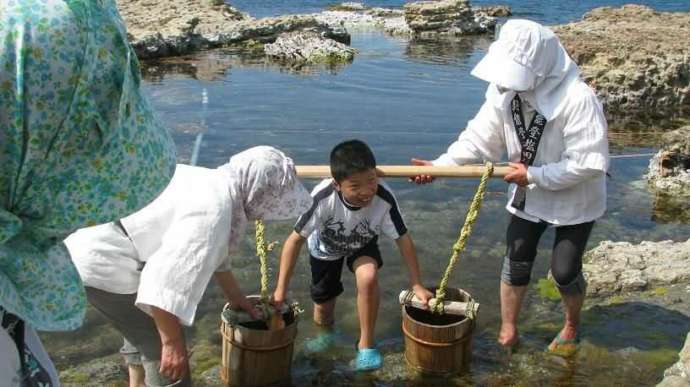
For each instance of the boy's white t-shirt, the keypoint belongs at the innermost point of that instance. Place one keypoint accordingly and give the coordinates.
(335, 229)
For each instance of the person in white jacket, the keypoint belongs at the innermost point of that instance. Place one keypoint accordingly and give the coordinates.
(148, 271)
(553, 129)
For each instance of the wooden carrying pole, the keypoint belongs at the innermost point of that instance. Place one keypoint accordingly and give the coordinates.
(408, 298)
(323, 171)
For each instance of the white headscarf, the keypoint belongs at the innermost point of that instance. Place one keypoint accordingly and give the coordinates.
(263, 185)
(528, 58)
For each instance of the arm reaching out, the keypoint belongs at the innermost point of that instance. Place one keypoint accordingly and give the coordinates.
(232, 292)
(174, 361)
(409, 253)
(288, 258)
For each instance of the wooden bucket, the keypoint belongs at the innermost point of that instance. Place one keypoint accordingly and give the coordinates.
(438, 344)
(254, 356)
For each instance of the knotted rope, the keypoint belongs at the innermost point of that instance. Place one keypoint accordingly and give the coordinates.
(459, 245)
(262, 250)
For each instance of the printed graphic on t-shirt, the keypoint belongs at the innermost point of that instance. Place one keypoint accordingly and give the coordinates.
(339, 240)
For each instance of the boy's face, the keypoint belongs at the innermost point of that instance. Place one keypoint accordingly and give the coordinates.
(359, 188)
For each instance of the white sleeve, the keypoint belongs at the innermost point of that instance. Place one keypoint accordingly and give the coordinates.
(176, 275)
(309, 221)
(482, 139)
(586, 149)
(393, 225)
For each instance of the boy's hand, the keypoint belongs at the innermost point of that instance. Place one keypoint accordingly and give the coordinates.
(421, 179)
(278, 299)
(422, 293)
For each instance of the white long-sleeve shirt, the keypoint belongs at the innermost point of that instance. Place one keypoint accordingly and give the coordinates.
(568, 176)
(180, 239)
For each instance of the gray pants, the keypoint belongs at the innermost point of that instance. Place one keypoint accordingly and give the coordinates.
(142, 345)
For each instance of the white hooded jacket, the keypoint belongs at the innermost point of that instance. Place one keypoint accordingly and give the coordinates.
(568, 176)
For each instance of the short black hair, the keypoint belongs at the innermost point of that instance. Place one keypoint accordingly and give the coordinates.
(350, 157)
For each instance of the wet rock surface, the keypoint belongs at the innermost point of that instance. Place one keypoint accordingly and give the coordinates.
(618, 267)
(669, 169)
(637, 59)
(160, 29)
(679, 374)
(309, 47)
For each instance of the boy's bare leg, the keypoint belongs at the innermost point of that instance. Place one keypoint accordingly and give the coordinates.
(366, 275)
(136, 375)
(324, 313)
(511, 302)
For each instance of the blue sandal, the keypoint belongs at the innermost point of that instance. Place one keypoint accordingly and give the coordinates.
(368, 359)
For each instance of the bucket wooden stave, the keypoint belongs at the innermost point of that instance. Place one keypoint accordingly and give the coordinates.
(438, 344)
(254, 356)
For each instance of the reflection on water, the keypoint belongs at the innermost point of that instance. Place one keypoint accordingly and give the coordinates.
(445, 51)
(405, 99)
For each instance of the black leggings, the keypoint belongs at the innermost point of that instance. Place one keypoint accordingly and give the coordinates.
(522, 238)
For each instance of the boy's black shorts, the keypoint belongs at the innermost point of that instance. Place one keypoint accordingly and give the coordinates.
(325, 275)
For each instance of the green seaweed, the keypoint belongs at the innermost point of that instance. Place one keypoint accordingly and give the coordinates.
(547, 289)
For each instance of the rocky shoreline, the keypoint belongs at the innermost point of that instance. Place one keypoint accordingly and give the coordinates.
(637, 59)
(162, 29)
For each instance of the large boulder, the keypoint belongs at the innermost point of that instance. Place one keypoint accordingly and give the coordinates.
(637, 59)
(669, 169)
(614, 267)
(446, 17)
(308, 47)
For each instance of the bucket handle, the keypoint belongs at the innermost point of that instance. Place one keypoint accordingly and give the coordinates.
(254, 349)
(430, 344)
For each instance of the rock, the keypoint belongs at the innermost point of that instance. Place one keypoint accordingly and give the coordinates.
(637, 60)
(308, 47)
(614, 267)
(494, 10)
(669, 169)
(679, 373)
(391, 21)
(446, 17)
(169, 28)
(347, 7)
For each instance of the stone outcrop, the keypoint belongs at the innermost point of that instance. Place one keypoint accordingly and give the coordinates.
(669, 169)
(309, 47)
(678, 375)
(160, 28)
(614, 267)
(637, 59)
(425, 19)
(446, 17)
(494, 10)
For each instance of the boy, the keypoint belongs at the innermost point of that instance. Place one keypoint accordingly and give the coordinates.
(343, 225)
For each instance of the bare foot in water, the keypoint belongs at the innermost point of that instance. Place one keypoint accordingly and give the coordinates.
(508, 336)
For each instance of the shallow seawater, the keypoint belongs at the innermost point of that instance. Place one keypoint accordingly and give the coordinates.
(406, 99)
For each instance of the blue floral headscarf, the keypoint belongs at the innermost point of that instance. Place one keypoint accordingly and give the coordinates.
(79, 146)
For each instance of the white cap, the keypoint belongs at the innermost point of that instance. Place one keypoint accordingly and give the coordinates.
(509, 62)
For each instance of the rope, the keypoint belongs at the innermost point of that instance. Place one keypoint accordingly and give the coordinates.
(262, 252)
(459, 246)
